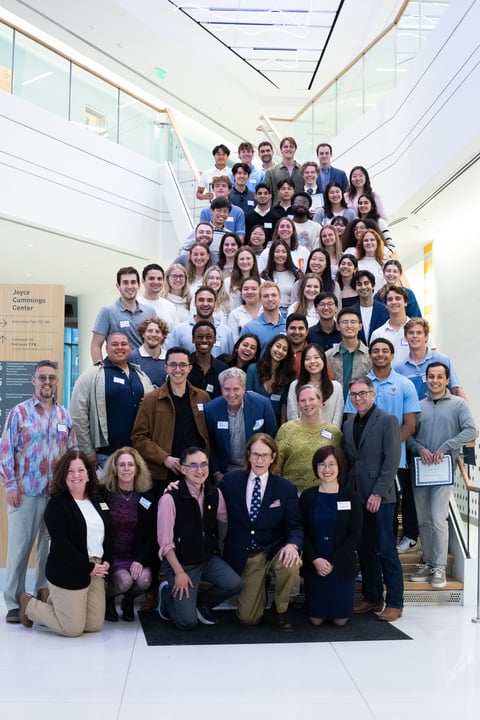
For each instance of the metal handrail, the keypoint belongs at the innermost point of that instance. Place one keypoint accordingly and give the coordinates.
(472, 488)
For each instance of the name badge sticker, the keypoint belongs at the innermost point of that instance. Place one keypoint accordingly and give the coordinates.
(200, 407)
(326, 434)
(258, 424)
(209, 388)
(104, 506)
(275, 398)
(124, 323)
(145, 503)
(61, 427)
(250, 202)
(268, 226)
(222, 425)
(119, 380)
(344, 505)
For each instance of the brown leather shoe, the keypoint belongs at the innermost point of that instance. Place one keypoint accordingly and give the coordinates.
(364, 606)
(283, 623)
(43, 594)
(149, 603)
(23, 601)
(390, 614)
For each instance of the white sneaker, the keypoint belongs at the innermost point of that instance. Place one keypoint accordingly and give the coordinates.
(439, 579)
(423, 573)
(406, 544)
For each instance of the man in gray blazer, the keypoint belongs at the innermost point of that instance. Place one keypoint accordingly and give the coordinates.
(372, 444)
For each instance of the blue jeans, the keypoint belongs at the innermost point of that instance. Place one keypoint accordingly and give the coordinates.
(378, 557)
(224, 583)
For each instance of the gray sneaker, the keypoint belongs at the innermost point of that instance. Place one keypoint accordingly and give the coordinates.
(439, 579)
(13, 616)
(422, 573)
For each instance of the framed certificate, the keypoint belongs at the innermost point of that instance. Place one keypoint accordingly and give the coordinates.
(430, 475)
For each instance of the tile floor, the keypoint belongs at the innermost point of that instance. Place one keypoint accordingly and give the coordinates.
(114, 675)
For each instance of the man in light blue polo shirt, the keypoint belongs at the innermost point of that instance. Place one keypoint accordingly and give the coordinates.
(124, 315)
(396, 395)
(414, 367)
(270, 322)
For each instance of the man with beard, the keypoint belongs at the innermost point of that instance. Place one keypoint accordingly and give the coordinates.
(37, 433)
(205, 299)
(308, 231)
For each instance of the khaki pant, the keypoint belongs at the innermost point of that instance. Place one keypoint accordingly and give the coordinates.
(253, 597)
(71, 612)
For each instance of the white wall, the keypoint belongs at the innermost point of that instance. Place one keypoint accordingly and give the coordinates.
(60, 176)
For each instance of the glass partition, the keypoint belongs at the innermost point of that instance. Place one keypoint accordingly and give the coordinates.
(40, 76)
(93, 104)
(375, 73)
(6, 58)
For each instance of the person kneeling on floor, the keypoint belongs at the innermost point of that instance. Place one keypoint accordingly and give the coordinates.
(188, 536)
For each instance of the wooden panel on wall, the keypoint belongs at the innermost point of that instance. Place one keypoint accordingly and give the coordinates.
(31, 329)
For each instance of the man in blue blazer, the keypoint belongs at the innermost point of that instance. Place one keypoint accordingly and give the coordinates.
(265, 533)
(372, 444)
(232, 419)
(329, 174)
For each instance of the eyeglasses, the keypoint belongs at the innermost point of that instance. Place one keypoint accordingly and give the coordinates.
(327, 466)
(195, 467)
(326, 304)
(361, 395)
(260, 456)
(175, 365)
(176, 277)
(44, 378)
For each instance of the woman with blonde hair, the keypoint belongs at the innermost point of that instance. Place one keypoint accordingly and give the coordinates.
(214, 279)
(198, 262)
(127, 492)
(330, 242)
(177, 291)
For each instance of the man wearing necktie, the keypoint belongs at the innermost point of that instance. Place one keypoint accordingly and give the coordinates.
(264, 533)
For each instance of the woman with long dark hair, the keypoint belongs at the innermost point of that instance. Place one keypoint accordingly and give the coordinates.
(347, 268)
(282, 271)
(245, 352)
(334, 206)
(358, 184)
(314, 371)
(272, 375)
(392, 273)
(229, 244)
(367, 210)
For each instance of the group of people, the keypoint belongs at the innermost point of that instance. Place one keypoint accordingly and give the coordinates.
(259, 417)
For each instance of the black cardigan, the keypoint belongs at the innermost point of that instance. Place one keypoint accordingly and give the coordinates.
(68, 565)
(348, 529)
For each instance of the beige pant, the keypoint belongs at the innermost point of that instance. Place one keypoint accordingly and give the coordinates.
(253, 597)
(71, 612)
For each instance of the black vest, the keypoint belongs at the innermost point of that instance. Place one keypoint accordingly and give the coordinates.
(195, 537)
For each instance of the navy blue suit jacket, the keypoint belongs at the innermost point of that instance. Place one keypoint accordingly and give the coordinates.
(258, 417)
(379, 317)
(278, 521)
(336, 176)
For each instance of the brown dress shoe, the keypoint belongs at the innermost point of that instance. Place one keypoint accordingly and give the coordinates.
(390, 614)
(149, 603)
(22, 614)
(43, 594)
(283, 623)
(364, 606)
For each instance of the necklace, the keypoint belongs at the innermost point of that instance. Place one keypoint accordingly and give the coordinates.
(126, 497)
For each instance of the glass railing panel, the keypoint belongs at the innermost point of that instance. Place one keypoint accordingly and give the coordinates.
(6, 58)
(466, 504)
(350, 101)
(143, 129)
(184, 173)
(40, 76)
(380, 70)
(94, 104)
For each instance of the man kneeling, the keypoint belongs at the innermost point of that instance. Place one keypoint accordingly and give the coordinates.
(188, 524)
